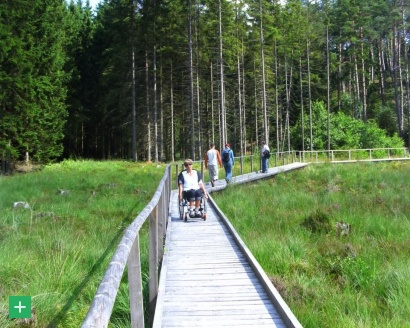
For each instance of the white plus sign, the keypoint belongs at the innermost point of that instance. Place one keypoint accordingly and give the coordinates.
(20, 307)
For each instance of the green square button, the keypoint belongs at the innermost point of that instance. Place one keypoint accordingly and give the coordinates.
(19, 307)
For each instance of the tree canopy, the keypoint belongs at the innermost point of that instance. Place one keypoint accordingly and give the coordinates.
(161, 79)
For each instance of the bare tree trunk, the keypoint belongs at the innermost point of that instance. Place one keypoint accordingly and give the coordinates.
(310, 93)
(288, 87)
(328, 86)
(363, 77)
(199, 116)
(212, 107)
(396, 91)
(264, 107)
(155, 106)
(406, 60)
(134, 112)
(381, 71)
(147, 105)
(339, 76)
(372, 74)
(198, 99)
(191, 81)
(278, 116)
(302, 114)
(240, 105)
(161, 111)
(222, 84)
(244, 99)
(357, 84)
(256, 106)
(172, 114)
(401, 82)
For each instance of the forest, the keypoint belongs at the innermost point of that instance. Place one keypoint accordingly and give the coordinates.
(158, 80)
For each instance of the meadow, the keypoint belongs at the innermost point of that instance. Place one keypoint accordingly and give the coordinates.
(334, 240)
(57, 249)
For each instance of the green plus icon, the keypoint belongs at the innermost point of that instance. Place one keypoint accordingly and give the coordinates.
(19, 307)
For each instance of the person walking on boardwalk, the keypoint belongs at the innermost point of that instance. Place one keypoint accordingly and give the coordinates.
(228, 161)
(191, 187)
(212, 160)
(265, 154)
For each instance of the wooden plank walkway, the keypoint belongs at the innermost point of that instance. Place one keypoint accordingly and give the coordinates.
(210, 279)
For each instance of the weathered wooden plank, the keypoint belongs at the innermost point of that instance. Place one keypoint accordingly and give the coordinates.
(210, 321)
(219, 303)
(240, 282)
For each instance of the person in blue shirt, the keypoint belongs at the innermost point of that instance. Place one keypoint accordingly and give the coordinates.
(228, 161)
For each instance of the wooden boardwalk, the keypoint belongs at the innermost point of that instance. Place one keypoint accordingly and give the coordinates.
(210, 279)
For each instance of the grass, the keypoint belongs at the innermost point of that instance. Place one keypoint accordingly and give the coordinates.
(58, 249)
(329, 278)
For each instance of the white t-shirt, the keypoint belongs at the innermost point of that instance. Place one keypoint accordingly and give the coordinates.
(189, 181)
(212, 157)
(264, 147)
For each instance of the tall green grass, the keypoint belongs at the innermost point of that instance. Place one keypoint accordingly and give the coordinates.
(58, 250)
(361, 279)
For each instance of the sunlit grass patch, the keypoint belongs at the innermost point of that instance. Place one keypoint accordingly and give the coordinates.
(57, 250)
(333, 239)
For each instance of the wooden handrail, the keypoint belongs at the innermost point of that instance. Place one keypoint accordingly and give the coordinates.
(128, 253)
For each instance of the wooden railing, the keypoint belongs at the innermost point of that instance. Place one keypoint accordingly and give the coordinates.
(252, 163)
(341, 155)
(128, 253)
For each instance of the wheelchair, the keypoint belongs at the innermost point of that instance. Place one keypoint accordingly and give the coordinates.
(184, 213)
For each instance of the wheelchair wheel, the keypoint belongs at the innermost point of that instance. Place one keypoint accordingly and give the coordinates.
(181, 210)
(204, 208)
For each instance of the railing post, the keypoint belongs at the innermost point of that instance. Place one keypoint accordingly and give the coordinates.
(153, 262)
(176, 173)
(251, 163)
(161, 227)
(370, 153)
(241, 161)
(135, 286)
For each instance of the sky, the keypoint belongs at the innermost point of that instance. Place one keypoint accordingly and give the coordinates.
(94, 3)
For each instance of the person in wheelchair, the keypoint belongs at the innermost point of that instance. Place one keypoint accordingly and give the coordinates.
(191, 187)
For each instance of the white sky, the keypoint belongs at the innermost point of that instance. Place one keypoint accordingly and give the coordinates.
(94, 3)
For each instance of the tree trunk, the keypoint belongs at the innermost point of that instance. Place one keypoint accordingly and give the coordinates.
(212, 108)
(191, 82)
(172, 114)
(244, 99)
(155, 105)
(222, 84)
(381, 71)
(134, 112)
(302, 114)
(328, 85)
(363, 77)
(161, 115)
(264, 107)
(147, 105)
(256, 105)
(396, 87)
